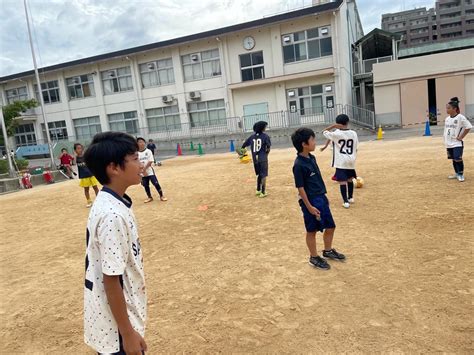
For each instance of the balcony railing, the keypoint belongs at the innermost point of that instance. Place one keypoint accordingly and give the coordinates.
(367, 65)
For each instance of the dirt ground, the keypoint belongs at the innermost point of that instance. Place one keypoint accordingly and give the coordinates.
(235, 279)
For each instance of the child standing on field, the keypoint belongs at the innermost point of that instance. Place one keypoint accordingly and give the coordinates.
(86, 179)
(115, 299)
(312, 199)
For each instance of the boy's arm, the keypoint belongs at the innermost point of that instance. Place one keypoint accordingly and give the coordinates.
(326, 145)
(133, 343)
(246, 143)
(313, 210)
(467, 127)
(331, 135)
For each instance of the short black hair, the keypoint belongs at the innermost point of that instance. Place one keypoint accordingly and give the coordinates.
(64, 149)
(141, 139)
(454, 102)
(77, 145)
(106, 148)
(300, 136)
(259, 126)
(342, 119)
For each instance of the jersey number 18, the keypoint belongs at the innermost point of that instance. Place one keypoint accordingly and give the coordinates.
(257, 145)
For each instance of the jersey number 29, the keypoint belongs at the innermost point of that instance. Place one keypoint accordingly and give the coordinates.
(347, 146)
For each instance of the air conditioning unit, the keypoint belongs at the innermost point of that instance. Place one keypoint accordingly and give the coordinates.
(328, 88)
(324, 31)
(151, 66)
(194, 57)
(287, 39)
(111, 74)
(167, 99)
(291, 93)
(195, 95)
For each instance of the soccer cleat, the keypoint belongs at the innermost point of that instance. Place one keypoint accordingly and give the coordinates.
(333, 254)
(263, 194)
(149, 199)
(346, 205)
(257, 193)
(351, 200)
(460, 177)
(163, 198)
(319, 263)
(453, 176)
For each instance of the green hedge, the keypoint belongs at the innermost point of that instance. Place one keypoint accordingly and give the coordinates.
(21, 163)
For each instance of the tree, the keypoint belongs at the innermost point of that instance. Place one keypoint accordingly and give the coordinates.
(12, 111)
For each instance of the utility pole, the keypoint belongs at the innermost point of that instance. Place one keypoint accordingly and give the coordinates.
(11, 170)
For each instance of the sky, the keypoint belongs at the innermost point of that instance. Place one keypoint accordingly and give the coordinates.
(64, 30)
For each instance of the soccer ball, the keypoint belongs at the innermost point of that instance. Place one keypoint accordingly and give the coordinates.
(359, 182)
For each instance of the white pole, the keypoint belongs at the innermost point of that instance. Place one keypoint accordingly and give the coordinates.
(38, 83)
(11, 171)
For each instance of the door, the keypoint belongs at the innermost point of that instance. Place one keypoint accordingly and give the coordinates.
(254, 113)
(446, 88)
(414, 101)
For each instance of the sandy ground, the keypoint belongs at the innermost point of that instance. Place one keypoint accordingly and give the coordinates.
(235, 278)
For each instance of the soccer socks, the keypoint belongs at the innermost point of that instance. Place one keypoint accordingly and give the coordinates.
(460, 167)
(344, 192)
(259, 183)
(264, 184)
(455, 166)
(350, 188)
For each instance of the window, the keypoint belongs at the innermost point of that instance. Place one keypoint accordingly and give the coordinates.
(201, 65)
(251, 66)
(87, 127)
(309, 44)
(309, 100)
(80, 86)
(163, 119)
(124, 122)
(57, 130)
(208, 113)
(157, 73)
(18, 94)
(117, 80)
(25, 135)
(50, 91)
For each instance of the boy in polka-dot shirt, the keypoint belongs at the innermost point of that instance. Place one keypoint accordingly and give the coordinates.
(114, 293)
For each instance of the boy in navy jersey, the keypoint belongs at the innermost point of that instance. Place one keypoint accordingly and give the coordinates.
(260, 144)
(313, 200)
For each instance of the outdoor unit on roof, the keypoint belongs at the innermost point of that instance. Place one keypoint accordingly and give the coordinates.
(167, 99)
(194, 57)
(151, 66)
(195, 95)
(111, 74)
(287, 39)
(324, 31)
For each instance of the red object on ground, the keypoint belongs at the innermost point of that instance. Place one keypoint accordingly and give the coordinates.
(25, 181)
(48, 177)
(180, 152)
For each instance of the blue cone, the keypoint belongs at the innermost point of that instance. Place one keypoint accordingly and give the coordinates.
(232, 148)
(427, 129)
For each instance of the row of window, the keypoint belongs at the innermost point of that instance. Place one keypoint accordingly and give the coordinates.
(304, 45)
(305, 101)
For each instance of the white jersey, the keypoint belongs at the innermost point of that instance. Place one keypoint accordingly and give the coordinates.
(453, 127)
(113, 248)
(344, 147)
(146, 156)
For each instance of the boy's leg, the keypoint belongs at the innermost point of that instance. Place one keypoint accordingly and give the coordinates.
(259, 183)
(328, 237)
(146, 185)
(311, 243)
(87, 194)
(155, 183)
(343, 187)
(350, 188)
(96, 189)
(264, 184)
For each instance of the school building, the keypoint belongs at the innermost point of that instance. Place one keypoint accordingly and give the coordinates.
(291, 69)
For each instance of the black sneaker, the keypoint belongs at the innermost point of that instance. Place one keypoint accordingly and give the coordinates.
(319, 263)
(333, 254)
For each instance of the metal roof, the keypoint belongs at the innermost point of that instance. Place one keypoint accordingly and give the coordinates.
(425, 49)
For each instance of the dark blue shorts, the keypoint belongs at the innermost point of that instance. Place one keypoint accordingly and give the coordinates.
(310, 222)
(455, 153)
(345, 174)
(150, 178)
(261, 168)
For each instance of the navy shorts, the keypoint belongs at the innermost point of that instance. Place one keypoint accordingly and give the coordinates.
(150, 178)
(455, 153)
(310, 222)
(345, 174)
(261, 168)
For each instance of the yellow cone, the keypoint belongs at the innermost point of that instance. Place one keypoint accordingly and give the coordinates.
(380, 133)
